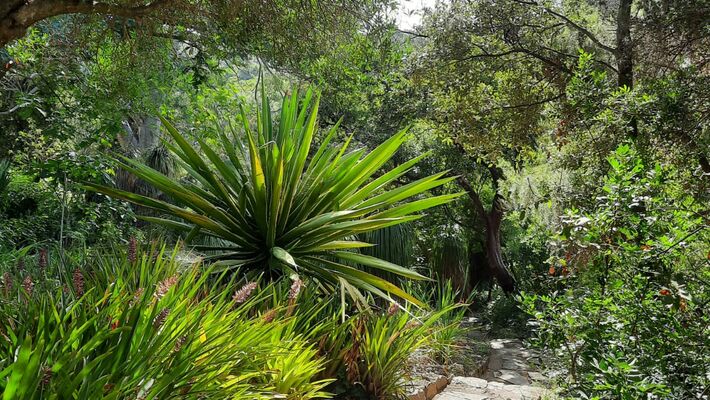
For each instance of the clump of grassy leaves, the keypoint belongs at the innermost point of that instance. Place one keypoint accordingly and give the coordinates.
(147, 325)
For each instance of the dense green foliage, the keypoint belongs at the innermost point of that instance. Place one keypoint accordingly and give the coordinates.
(628, 315)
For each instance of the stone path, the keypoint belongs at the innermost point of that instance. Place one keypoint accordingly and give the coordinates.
(508, 375)
(468, 388)
(510, 362)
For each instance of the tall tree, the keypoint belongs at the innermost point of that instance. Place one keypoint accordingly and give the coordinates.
(499, 72)
(632, 41)
(487, 100)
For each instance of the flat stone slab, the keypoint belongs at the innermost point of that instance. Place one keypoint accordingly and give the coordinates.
(467, 388)
(509, 362)
(513, 363)
(512, 377)
(469, 381)
(537, 377)
(453, 395)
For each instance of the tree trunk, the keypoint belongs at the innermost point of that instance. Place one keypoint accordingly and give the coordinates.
(492, 221)
(493, 247)
(625, 54)
(140, 134)
(624, 46)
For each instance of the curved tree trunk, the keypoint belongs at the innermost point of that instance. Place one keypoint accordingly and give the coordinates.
(493, 247)
(492, 221)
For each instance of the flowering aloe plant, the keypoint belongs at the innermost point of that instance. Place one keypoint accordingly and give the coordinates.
(284, 208)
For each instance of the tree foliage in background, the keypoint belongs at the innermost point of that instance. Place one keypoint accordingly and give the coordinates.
(269, 25)
(90, 79)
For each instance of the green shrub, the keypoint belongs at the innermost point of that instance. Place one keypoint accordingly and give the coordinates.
(4, 175)
(449, 331)
(30, 212)
(145, 322)
(630, 319)
(377, 360)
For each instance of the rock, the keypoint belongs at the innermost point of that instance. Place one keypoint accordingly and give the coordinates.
(536, 377)
(455, 369)
(515, 364)
(478, 389)
(461, 396)
(512, 377)
(468, 381)
(418, 396)
(495, 362)
(431, 390)
(441, 383)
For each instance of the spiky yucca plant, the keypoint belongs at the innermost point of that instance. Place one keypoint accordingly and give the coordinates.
(283, 208)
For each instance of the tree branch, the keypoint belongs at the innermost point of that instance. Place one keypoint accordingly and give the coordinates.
(546, 60)
(584, 31)
(526, 105)
(15, 23)
(411, 33)
(475, 198)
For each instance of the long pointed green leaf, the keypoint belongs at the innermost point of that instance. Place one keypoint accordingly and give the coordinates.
(379, 264)
(367, 278)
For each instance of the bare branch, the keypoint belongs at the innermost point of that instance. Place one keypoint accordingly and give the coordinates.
(584, 31)
(411, 33)
(526, 105)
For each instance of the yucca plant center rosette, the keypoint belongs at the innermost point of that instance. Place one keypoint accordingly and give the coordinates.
(283, 207)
